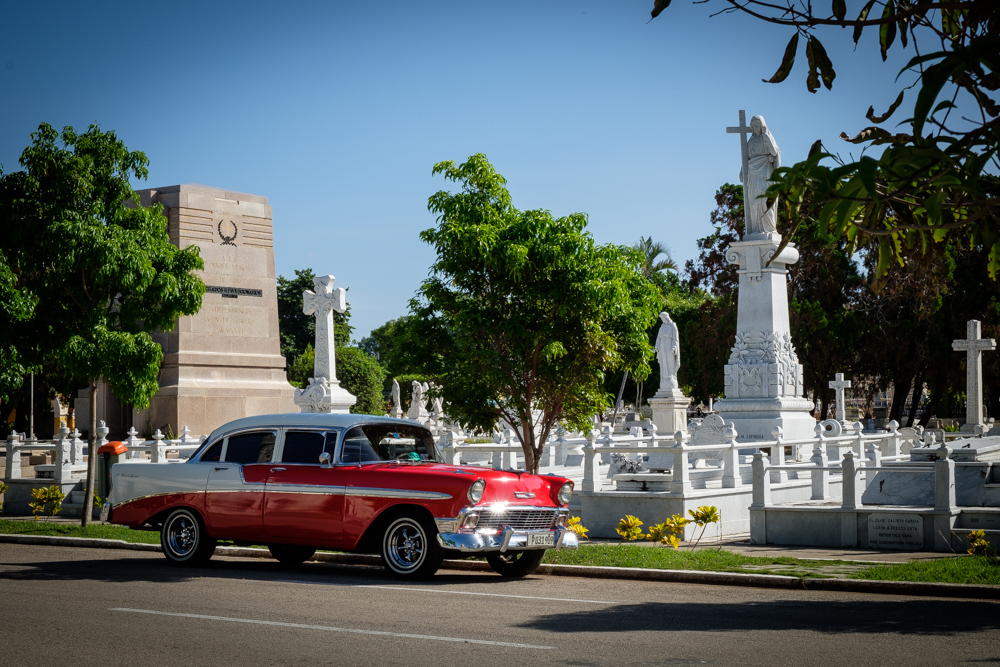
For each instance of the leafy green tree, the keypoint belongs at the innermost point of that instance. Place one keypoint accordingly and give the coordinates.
(357, 372)
(651, 253)
(524, 311)
(939, 176)
(298, 329)
(99, 268)
(395, 345)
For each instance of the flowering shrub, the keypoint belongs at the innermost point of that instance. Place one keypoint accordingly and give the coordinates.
(47, 501)
(629, 528)
(978, 546)
(574, 526)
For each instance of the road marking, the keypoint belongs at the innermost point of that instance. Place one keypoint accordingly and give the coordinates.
(434, 590)
(329, 628)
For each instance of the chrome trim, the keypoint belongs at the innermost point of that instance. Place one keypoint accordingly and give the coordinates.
(396, 493)
(151, 495)
(508, 533)
(317, 489)
(524, 495)
(476, 542)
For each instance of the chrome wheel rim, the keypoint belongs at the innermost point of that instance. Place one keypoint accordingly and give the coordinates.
(182, 536)
(405, 544)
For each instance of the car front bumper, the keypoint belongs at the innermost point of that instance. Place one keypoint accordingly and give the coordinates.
(504, 540)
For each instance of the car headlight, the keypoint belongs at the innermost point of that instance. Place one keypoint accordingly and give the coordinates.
(476, 491)
(565, 493)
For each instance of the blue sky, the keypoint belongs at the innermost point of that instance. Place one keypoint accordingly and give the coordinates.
(337, 111)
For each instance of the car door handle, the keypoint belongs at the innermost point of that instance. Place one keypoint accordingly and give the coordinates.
(277, 470)
(222, 468)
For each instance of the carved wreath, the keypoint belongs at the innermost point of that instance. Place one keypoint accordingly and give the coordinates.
(228, 240)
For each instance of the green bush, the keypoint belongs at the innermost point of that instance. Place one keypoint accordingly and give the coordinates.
(357, 372)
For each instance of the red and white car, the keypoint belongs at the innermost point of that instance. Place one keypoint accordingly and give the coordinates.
(298, 482)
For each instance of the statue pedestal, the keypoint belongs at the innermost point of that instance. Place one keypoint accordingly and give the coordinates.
(324, 396)
(669, 412)
(763, 376)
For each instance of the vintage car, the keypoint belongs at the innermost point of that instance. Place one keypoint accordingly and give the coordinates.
(298, 482)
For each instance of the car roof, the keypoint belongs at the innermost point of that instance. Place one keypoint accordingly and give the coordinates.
(312, 419)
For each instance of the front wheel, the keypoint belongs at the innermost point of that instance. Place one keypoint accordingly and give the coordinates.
(291, 554)
(515, 563)
(184, 540)
(409, 547)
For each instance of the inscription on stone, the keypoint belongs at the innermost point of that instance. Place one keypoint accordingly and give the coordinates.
(895, 531)
(233, 292)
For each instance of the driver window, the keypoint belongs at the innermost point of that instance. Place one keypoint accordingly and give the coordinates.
(255, 447)
(357, 448)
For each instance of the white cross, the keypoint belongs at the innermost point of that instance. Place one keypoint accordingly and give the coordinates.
(743, 130)
(839, 384)
(322, 303)
(973, 346)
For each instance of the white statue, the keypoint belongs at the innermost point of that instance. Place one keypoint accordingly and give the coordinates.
(763, 157)
(397, 410)
(668, 352)
(418, 406)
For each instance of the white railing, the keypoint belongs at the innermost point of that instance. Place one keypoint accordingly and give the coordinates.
(70, 464)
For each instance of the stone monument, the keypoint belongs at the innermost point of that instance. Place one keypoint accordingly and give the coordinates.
(225, 361)
(763, 378)
(324, 393)
(669, 404)
(974, 345)
(839, 384)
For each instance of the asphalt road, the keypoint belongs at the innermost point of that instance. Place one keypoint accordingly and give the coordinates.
(106, 607)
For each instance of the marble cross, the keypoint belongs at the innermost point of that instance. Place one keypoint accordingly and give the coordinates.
(322, 303)
(839, 384)
(973, 346)
(743, 130)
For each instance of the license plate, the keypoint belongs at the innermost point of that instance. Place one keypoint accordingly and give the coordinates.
(541, 539)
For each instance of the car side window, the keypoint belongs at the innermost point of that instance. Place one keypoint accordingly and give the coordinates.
(357, 448)
(255, 447)
(213, 453)
(303, 446)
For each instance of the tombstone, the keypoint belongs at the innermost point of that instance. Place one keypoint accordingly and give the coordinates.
(839, 384)
(973, 346)
(324, 393)
(397, 410)
(763, 378)
(418, 403)
(225, 361)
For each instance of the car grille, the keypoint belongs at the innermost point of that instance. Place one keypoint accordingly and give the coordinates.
(518, 519)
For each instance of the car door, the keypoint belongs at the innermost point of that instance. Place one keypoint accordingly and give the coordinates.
(304, 500)
(234, 494)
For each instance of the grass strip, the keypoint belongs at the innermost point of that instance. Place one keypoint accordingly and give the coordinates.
(712, 560)
(100, 531)
(957, 570)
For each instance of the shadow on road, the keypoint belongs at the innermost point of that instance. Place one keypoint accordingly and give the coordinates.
(158, 570)
(904, 617)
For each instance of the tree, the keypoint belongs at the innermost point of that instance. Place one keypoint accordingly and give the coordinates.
(524, 312)
(298, 329)
(938, 179)
(651, 252)
(99, 268)
(395, 345)
(357, 372)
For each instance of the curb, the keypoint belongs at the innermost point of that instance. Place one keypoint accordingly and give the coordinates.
(924, 589)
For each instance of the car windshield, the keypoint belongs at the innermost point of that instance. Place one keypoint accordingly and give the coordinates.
(372, 443)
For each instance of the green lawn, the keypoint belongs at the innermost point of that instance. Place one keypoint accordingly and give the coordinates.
(958, 569)
(94, 530)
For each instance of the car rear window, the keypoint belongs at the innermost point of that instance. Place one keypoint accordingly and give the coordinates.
(306, 446)
(256, 447)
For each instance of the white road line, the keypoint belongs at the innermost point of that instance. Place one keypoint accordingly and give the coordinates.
(403, 635)
(435, 590)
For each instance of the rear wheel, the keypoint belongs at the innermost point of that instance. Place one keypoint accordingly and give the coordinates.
(409, 547)
(291, 554)
(184, 540)
(515, 563)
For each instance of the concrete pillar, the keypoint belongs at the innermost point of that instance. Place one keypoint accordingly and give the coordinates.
(681, 481)
(820, 477)
(851, 486)
(731, 478)
(588, 462)
(778, 456)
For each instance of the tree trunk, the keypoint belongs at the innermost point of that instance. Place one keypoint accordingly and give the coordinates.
(918, 387)
(901, 389)
(88, 500)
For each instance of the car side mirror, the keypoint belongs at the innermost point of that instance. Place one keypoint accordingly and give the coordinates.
(324, 460)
